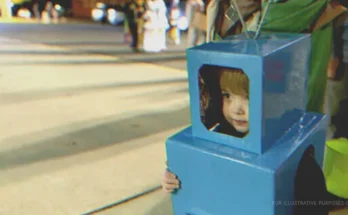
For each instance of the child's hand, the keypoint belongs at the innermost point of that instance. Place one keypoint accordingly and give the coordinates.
(169, 182)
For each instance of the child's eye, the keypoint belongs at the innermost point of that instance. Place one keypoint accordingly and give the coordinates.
(225, 95)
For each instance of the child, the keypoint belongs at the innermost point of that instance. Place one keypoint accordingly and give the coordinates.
(234, 88)
(234, 93)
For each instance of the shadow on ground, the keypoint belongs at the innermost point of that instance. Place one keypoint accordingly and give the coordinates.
(133, 57)
(15, 98)
(95, 137)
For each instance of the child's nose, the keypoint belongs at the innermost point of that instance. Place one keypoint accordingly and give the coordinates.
(237, 107)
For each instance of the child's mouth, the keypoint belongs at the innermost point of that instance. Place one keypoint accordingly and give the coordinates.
(241, 122)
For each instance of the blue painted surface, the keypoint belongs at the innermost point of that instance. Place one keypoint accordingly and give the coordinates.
(221, 180)
(277, 67)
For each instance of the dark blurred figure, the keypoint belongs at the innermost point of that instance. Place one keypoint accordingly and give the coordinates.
(337, 63)
(38, 6)
(134, 10)
(36, 10)
(310, 186)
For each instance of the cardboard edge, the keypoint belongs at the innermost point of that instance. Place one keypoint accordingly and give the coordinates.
(332, 11)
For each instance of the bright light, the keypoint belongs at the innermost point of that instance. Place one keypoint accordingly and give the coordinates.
(112, 14)
(100, 5)
(98, 14)
(58, 7)
(24, 13)
(115, 17)
(183, 23)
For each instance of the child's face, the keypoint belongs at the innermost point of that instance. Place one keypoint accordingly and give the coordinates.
(236, 110)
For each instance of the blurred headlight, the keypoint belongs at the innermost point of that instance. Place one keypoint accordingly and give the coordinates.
(58, 7)
(100, 5)
(98, 14)
(115, 17)
(24, 13)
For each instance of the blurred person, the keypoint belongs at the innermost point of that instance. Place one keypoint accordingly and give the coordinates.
(163, 24)
(127, 35)
(49, 9)
(127, 38)
(55, 10)
(39, 8)
(174, 3)
(5, 8)
(174, 31)
(193, 9)
(36, 9)
(47, 13)
(155, 25)
(150, 28)
(134, 10)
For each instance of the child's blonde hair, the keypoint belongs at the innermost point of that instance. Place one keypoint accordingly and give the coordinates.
(235, 81)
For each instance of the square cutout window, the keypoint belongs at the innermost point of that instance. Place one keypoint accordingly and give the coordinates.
(224, 100)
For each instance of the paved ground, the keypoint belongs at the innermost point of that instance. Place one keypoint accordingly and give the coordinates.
(86, 39)
(83, 119)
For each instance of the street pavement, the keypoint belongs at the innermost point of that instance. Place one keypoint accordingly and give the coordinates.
(83, 119)
(90, 39)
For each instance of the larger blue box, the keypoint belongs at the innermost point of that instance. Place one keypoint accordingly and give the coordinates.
(221, 180)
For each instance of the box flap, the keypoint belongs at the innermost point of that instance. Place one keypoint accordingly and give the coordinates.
(332, 11)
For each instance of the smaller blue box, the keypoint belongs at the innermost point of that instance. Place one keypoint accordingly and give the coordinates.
(277, 66)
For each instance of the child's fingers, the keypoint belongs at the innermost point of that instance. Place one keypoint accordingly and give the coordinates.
(167, 190)
(171, 186)
(170, 181)
(169, 174)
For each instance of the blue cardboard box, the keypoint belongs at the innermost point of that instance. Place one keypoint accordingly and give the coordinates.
(220, 180)
(255, 174)
(277, 66)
